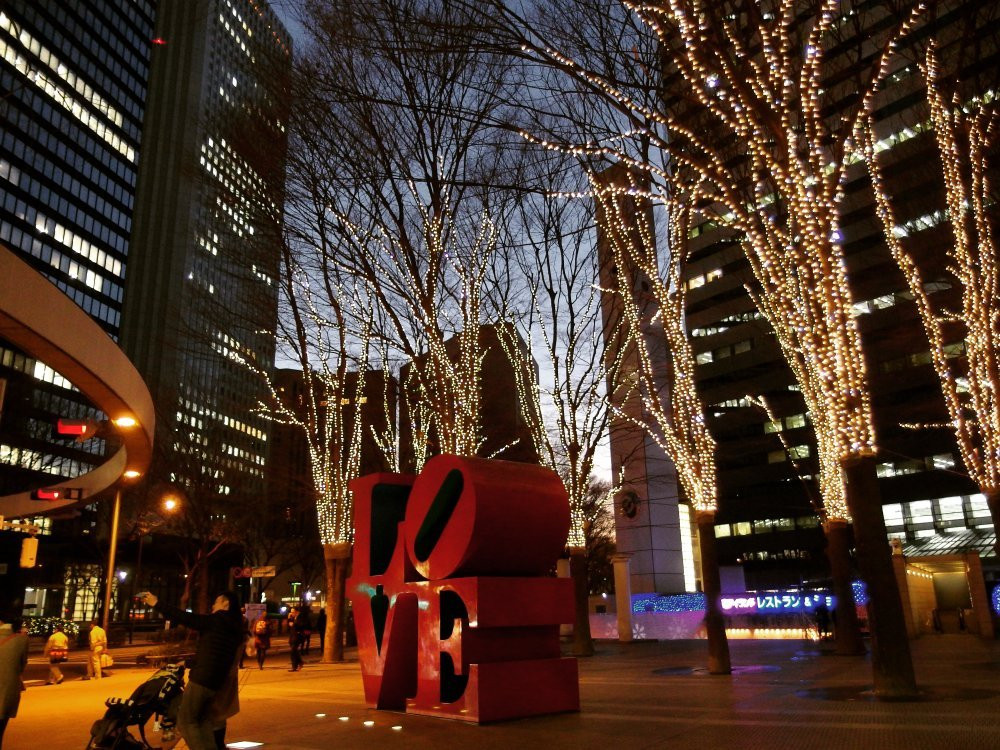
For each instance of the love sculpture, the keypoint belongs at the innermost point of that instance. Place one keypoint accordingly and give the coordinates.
(455, 612)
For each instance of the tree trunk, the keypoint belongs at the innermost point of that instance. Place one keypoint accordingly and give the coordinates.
(715, 625)
(204, 596)
(583, 643)
(336, 560)
(892, 664)
(847, 630)
(993, 500)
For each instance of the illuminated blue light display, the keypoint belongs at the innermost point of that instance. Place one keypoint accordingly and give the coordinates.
(667, 603)
(860, 593)
(995, 599)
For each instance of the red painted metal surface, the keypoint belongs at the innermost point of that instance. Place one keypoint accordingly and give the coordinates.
(454, 612)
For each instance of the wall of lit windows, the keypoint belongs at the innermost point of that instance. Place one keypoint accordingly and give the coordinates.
(72, 90)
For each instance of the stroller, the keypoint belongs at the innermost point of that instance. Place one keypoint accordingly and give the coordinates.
(158, 696)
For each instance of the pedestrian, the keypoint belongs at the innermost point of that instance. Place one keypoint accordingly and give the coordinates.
(98, 647)
(208, 700)
(321, 627)
(823, 621)
(57, 649)
(227, 701)
(246, 635)
(297, 625)
(13, 659)
(307, 634)
(261, 639)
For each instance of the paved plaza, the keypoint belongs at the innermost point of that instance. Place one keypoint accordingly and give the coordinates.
(784, 694)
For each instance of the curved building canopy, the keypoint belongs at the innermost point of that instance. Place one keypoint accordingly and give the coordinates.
(46, 324)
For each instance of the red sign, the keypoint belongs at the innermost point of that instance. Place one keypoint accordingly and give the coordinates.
(455, 612)
(46, 494)
(75, 427)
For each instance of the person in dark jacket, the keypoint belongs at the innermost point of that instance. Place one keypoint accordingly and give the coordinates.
(298, 623)
(13, 659)
(220, 636)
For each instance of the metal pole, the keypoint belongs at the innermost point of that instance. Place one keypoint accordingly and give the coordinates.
(111, 558)
(131, 590)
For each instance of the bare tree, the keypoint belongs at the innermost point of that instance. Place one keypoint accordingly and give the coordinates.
(959, 302)
(397, 114)
(325, 330)
(565, 402)
(755, 114)
(654, 303)
(393, 226)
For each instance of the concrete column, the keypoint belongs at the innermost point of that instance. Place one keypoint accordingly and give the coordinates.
(979, 595)
(899, 568)
(623, 595)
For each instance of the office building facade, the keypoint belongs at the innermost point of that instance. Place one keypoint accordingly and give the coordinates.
(73, 84)
(202, 294)
(72, 92)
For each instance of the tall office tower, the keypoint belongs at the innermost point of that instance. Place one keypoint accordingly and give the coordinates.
(768, 522)
(202, 293)
(651, 524)
(73, 79)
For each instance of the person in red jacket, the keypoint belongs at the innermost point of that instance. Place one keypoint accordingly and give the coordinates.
(220, 636)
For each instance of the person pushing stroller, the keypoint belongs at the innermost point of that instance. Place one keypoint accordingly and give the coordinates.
(159, 695)
(212, 680)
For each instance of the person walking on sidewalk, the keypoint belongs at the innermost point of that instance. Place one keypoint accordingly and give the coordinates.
(98, 646)
(13, 660)
(246, 635)
(220, 636)
(261, 639)
(298, 623)
(57, 649)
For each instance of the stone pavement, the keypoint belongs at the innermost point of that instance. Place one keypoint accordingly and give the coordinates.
(784, 694)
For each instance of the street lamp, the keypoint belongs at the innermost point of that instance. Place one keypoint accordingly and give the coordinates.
(169, 503)
(122, 422)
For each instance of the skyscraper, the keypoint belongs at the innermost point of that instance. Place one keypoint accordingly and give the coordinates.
(202, 293)
(73, 76)
(72, 90)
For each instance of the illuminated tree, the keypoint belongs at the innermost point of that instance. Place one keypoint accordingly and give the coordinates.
(393, 224)
(324, 328)
(961, 315)
(565, 402)
(398, 118)
(755, 112)
(654, 304)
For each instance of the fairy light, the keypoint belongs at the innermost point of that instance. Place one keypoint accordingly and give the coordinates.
(831, 481)
(427, 288)
(965, 135)
(760, 79)
(574, 400)
(788, 223)
(329, 413)
(672, 413)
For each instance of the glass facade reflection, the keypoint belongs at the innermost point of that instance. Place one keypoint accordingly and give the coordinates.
(72, 90)
(202, 289)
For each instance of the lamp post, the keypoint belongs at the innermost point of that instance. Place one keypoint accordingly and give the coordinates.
(112, 547)
(124, 422)
(169, 504)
